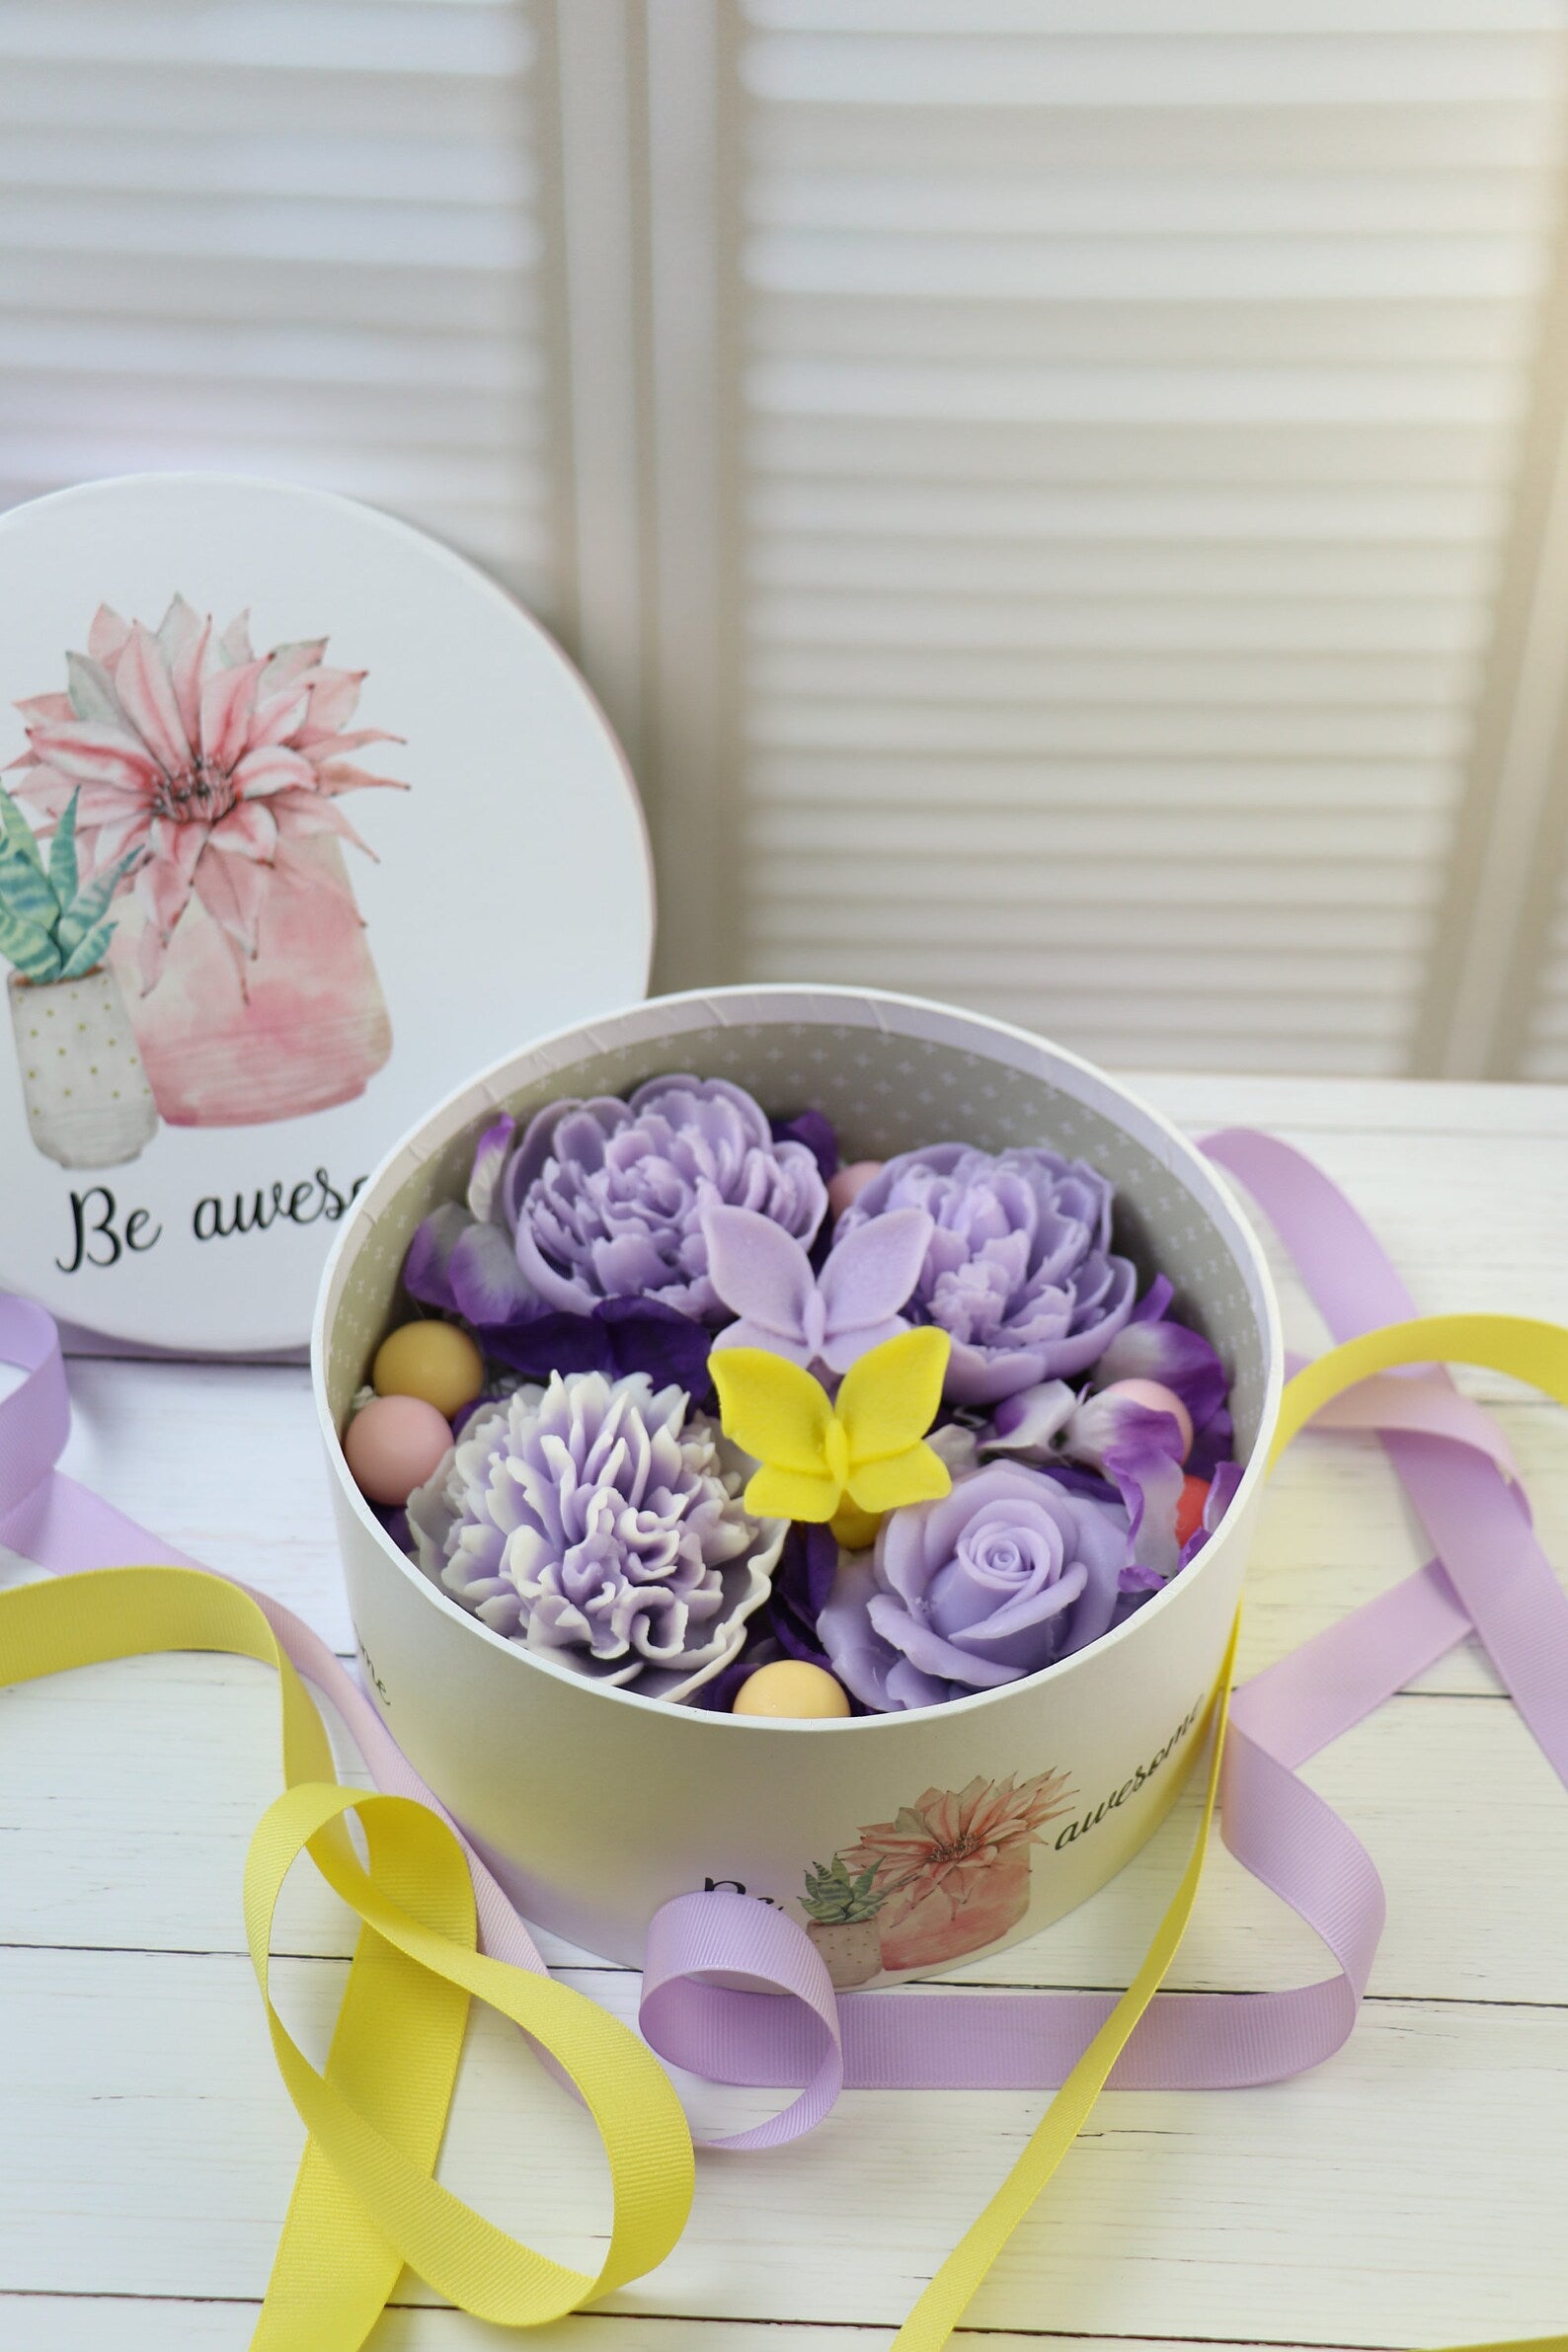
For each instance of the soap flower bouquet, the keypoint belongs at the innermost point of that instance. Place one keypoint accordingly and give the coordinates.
(918, 1425)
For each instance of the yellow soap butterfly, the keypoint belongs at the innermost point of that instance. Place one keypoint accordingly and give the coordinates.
(814, 1448)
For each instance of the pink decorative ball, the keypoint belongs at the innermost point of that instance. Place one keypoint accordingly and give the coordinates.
(393, 1445)
(1155, 1397)
(850, 1182)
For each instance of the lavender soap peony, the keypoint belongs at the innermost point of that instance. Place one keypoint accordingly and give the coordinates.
(597, 1522)
(1019, 1269)
(607, 1198)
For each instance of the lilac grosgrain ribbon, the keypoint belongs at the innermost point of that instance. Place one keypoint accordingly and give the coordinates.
(1491, 1579)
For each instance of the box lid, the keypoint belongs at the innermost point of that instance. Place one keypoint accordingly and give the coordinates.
(306, 816)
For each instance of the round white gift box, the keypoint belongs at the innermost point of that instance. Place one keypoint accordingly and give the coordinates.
(1003, 1810)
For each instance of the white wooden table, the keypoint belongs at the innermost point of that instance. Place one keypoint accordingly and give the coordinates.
(1413, 2191)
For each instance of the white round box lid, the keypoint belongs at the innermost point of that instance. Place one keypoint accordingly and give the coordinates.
(304, 817)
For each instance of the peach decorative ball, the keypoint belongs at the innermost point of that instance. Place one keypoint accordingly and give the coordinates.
(1155, 1397)
(850, 1182)
(393, 1445)
(434, 1360)
(790, 1686)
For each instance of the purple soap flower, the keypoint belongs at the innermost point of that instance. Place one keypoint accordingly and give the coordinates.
(599, 1523)
(605, 1198)
(1019, 1270)
(1000, 1578)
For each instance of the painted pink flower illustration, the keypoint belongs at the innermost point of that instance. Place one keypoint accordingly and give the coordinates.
(216, 765)
(953, 1867)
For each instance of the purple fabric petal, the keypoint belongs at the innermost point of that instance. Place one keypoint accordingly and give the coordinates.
(1030, 1421)
(427, 1274)
(487, 1281)
(1179, 1359)
(1150, 1482)
(817, 1131)
(619, 1336)
(490, 1159)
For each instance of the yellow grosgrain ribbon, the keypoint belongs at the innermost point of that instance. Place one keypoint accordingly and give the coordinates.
(1526, 1350)
(364, 2202)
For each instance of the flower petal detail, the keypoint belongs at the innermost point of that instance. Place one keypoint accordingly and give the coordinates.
(145, 693)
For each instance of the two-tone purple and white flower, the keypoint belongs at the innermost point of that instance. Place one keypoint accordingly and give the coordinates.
(599, 1523)
(1143, 1450)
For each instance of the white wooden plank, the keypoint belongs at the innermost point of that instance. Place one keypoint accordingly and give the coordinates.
(61, 2323)
(119, 2324)
(1431, 2166)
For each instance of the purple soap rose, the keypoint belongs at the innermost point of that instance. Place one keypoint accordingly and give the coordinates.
(605, 1198)
(1019, 1270)
(599, 1523)
(1000, 1578)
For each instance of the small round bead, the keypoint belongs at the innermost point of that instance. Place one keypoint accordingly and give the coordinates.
(790, 1686)
(1190, 1508)
(393, 1445)
(850, 1182)
(1155, 1397)
(434, 1360)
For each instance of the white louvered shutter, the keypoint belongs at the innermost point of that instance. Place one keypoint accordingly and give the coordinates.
(1130, 406)
(1546, 1043)
(298, 237)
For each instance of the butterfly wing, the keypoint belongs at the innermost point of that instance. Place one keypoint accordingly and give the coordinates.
(761, 1273)
(869, 1275)
(781, 1415)
(888, 1401)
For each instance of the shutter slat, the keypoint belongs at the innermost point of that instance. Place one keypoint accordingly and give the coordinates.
(292, 237)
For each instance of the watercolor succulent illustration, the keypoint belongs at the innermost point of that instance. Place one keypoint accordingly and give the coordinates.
(953, 1866)
(841, 1907)
(87, 1101)
(54, 925)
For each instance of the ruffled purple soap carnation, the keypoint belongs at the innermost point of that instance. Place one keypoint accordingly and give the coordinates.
(599, 1522)
(1019, 1269)
(1002, 1577)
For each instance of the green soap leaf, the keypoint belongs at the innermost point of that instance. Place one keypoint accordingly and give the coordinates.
(28, 946)
(87, 952)
(24, 890)
(63, 855)
(89, 907)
